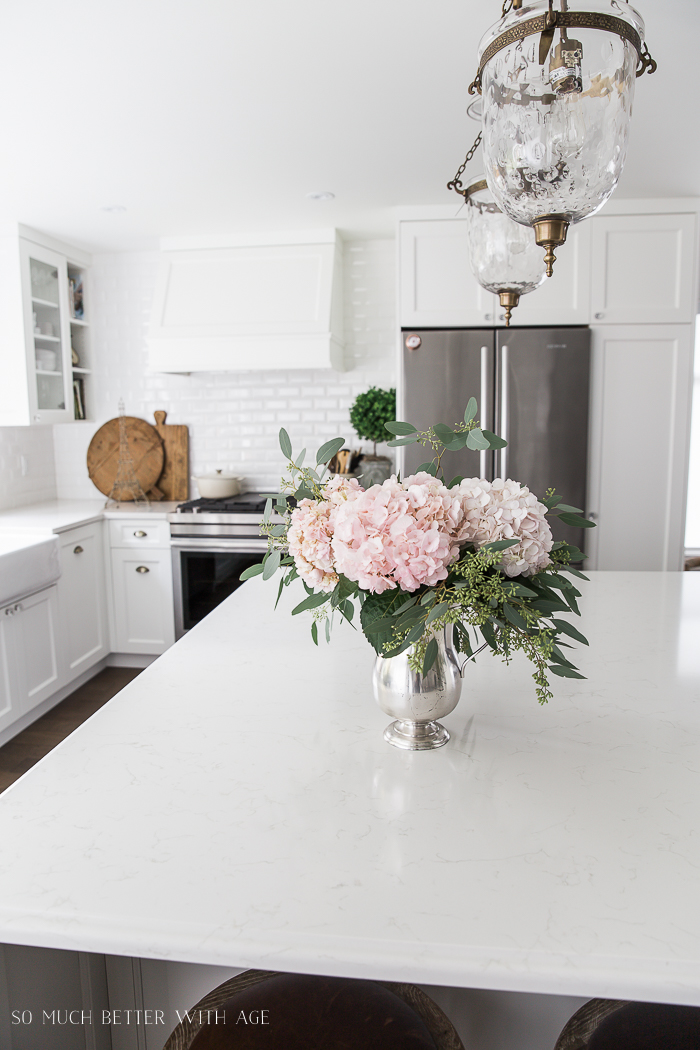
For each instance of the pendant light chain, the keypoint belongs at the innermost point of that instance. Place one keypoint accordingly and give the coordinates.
(456, 183)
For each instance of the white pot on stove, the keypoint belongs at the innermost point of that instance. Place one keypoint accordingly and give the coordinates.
(218, 485)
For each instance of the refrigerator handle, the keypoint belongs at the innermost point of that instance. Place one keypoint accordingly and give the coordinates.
(484, 397)
(503, 428)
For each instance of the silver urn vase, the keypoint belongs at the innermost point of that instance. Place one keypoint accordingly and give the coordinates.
(416, 701)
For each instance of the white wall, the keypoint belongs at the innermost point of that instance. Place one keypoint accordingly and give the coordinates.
(234, 417)
(31, 449)
(692, 521)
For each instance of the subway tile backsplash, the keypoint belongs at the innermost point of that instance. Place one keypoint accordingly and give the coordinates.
(233, 417)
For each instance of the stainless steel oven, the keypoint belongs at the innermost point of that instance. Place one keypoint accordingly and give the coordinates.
(212, 542)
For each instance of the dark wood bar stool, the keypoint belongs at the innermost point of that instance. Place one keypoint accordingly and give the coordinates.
(278, 1011)
(612, 1024)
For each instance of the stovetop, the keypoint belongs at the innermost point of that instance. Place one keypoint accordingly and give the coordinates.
(245, 503)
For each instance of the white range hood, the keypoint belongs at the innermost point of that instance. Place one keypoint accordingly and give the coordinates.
(263, 302)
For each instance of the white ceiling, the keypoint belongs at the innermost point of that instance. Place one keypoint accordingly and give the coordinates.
(219, 116)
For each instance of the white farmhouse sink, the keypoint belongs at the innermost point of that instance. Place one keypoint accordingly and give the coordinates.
(27, 563)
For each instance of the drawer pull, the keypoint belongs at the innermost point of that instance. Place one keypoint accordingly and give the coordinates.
(78, 550)
(140, 534)
(143, 568)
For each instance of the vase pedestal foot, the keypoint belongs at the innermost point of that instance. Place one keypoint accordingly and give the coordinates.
(416, 736)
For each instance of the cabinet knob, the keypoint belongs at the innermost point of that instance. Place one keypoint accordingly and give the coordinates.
(78, 550)
(599, 317)
(9, 611)
(143, 568)
(17, 608)
(413, 342)
(488, 317)
(140, 534)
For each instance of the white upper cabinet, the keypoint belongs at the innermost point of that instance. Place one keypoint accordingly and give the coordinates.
(643, 268)
(565, 297)
(257, 306)
(40, 323)
(437, 286)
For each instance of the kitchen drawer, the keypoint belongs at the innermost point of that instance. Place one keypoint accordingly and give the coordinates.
(139, 532)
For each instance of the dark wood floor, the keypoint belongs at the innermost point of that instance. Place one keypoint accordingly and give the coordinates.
(25, 750)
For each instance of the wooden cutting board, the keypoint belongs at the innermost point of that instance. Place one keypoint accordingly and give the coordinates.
(174, 482)
(145, 446)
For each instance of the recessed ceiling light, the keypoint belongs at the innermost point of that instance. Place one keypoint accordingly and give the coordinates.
(320, 195)
(113, 207)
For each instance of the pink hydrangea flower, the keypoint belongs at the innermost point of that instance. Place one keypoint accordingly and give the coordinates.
(311, 530)
(397, 534)
(504, 510)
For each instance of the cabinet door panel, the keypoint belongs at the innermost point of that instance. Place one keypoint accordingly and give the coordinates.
(564, 298)
(37, 623)
(640, 397)
(438, 288)
(143, 601)
(9, 696)
(81, 591)
(643, 269)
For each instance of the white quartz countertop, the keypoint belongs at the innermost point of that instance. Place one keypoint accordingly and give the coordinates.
(237, 805)
(61, 515)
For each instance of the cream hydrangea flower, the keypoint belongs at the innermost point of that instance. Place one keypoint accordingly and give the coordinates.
(504, 510)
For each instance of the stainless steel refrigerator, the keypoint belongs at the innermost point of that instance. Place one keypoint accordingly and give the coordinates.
(532, 388)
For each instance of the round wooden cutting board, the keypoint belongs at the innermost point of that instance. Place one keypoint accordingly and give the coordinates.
(145, 446)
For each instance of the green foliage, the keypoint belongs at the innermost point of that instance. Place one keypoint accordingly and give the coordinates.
(370, 412)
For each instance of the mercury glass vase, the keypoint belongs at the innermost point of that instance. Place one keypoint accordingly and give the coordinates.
(416, 701)
(555, 129)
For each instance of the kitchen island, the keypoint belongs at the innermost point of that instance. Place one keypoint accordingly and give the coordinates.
(237, 805)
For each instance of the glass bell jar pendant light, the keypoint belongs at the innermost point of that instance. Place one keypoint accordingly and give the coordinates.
(557, 83)
(504, 255)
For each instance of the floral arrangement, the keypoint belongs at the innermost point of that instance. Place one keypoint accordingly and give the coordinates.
(419, 554)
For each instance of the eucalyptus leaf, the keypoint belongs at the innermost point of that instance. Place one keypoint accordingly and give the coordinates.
(328, 631)
(400, 428)
(471, 410)
(459, 442)
(268, 509)
(443, 433)
(278, 530)
(513, 616)
(279, 592)
(303, 493)
(577, 521)
(272, 564)
(477, 441)
(299, 461)
(499, 545)
(314, 632)
(566, 628)
(437, 610)
(489, 636)
(409, 440)
(494, 440)
(285, 444)
(426, 467)
(565, 672)
(252, 570)
(312, 602)
(517, 590)
(568, 509)
(456, 480)
(347, 609)
(575, 572)
(430, 655)
(329, 449)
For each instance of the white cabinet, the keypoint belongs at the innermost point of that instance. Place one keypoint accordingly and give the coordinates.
(142, 586)
(565, 297)
(642, 379)
(9, 687)
(437, 286)
(82, 600)
(42, 320)
(643, 269)
(29, 654)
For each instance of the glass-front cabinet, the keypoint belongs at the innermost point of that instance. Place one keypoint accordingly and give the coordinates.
(54, 330)
(47, 334)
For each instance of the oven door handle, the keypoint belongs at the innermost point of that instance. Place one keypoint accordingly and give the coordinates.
(218, 543)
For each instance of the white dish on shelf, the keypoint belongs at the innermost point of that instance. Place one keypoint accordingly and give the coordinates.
(46, 359)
